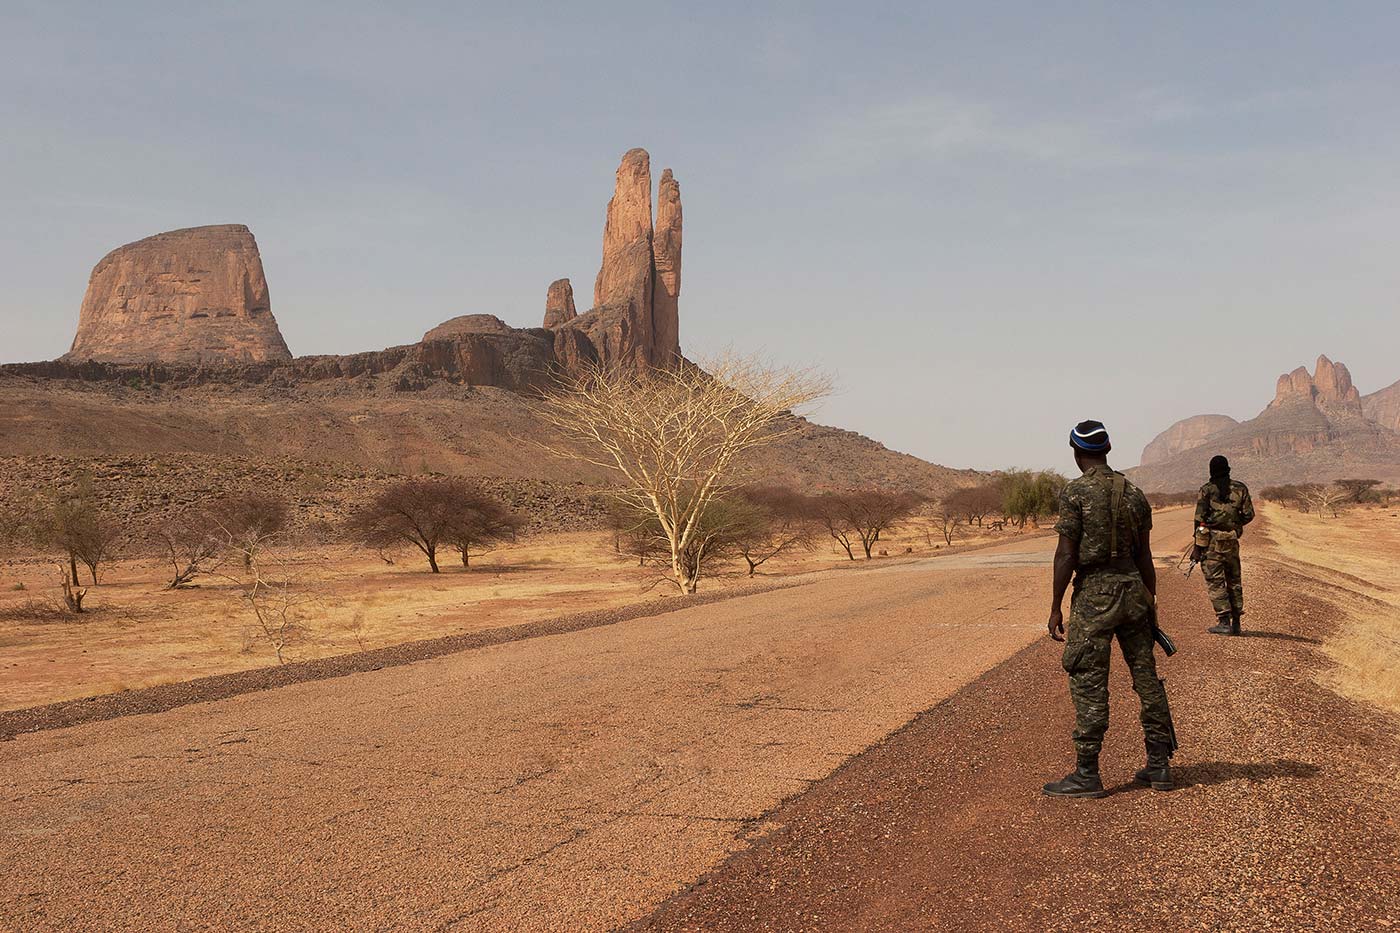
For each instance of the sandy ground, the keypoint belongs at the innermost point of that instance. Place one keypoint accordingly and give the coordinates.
(1285, 817)
(138, 633)
(566, 782)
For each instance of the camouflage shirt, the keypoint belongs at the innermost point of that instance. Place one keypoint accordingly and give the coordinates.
(1085, 518)
(1228, 514)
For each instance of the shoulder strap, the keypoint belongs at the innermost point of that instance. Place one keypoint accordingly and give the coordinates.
(1119, 484)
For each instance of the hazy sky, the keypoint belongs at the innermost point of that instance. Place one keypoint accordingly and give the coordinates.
(988, 221)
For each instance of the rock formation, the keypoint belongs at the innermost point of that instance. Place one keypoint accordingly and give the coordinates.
(635, 318)
(188, 296)
(559, 304)
(1316, 429)
(1329, 388)
(468, 324)
(666, 247)
(198, 297)
(1185, 434)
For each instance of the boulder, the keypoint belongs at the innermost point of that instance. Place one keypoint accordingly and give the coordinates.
(187, 296)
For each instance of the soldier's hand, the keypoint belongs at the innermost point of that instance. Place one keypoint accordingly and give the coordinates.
(1056, 625)
(1197, 552)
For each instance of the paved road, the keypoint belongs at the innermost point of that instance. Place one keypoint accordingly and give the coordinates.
(561, 782)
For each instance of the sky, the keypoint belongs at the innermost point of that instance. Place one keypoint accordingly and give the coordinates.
(985, 221)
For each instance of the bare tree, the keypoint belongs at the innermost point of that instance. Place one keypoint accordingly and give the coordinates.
(248, 522)
(72, 593)
(863, 516)
(716, 538)
(945, 522)
(677, 435)
(1326, 498)
(193, 544)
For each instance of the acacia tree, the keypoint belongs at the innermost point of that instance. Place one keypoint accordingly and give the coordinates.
(678, 435)
(430, 514)
(863, 516)
(974, 503)
(75, 524)
(480, 522)
(1026, 495)
(193, 544)
(780, 521)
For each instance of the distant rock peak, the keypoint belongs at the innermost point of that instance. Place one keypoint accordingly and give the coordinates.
(1329, 387)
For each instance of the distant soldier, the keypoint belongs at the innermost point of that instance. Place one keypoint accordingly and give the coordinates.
(1105, 530)
(1222, 511)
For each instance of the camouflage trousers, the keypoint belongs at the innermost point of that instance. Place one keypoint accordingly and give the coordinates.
(1221, 568)
(1100, 610)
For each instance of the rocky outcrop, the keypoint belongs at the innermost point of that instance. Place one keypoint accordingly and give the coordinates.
(1329, 388)
(188, 296)
(559, 304)
(666, 249)
(1185, 434)
(469, 324)
(1383, 407)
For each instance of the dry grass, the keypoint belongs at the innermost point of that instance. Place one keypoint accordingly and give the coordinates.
(138, 633)
(1359, 553)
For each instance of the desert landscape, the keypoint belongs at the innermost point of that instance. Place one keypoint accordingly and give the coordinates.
(325, 608)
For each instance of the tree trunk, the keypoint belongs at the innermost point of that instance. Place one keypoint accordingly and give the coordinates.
(432, 560)
(73, 567)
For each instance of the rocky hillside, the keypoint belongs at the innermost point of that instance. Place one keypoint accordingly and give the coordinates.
(1317, 428)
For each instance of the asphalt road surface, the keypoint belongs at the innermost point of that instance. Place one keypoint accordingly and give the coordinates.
(565, 782)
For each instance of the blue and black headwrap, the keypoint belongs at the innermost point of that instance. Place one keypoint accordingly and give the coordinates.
(1090, 436)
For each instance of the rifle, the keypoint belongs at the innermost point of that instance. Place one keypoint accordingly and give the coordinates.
(1160, 637)
(1191, 553)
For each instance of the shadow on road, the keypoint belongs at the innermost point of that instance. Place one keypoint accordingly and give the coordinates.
(1220, 772)
(1281, 636)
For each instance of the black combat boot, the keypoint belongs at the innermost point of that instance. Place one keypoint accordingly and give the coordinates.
(1158, 772)
(1235, 621)
(1225, 625)
(1083, 781)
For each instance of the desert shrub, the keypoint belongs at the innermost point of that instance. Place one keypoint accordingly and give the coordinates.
(193, 543)
(1163, 500)
(729, 528)
(248, 522)
(1360, 491)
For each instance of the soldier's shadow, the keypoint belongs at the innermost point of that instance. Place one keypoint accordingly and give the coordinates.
(1281, 636)
(1222, 772)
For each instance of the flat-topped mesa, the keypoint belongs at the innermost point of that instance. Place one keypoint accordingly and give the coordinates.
(559, 304)
(196, 295)
(666, 249)
(1329, 387)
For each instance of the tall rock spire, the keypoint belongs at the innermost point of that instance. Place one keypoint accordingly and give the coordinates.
(625, 279)
(666, 248)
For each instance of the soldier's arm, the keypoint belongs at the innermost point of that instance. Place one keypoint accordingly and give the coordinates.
(1246, 509)
(1066, 559)
(1202, 506)
(1143, 559)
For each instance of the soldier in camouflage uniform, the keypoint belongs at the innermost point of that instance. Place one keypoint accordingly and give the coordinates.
(1222, 511)
(1105, 544)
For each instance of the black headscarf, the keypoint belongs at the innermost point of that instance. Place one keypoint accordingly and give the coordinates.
(1220, 475)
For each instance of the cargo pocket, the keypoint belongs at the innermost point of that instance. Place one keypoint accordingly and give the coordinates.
(1073, 656)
